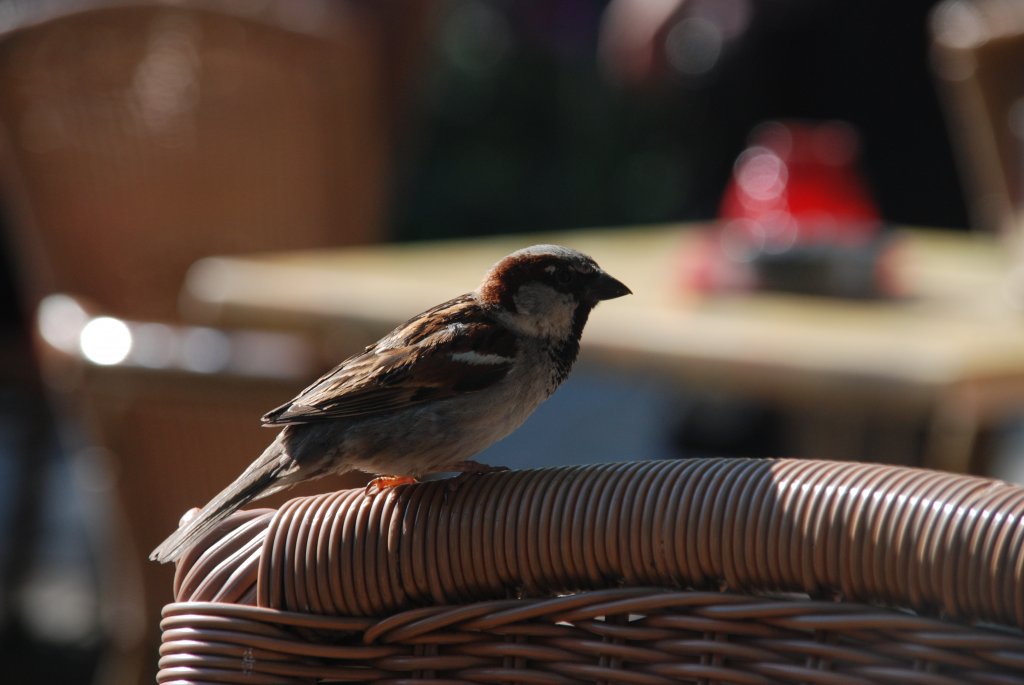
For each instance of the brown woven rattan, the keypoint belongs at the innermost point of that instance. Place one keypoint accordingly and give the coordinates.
(705, 570)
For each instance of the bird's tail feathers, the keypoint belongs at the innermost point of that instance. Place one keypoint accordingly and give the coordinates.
(266, 475)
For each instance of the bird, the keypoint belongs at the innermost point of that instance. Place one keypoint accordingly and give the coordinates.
(433, 392)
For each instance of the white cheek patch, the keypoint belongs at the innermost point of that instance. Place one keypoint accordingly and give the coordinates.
(543, 312)
(476, 358)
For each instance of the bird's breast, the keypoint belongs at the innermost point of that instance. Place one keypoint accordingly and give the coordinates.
(427, 437)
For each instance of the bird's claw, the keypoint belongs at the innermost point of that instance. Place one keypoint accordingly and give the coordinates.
(382, 483)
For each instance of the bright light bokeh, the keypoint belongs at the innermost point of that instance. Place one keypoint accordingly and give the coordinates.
(61, 319)
(205, 350)
(155, 345)
(106, 340)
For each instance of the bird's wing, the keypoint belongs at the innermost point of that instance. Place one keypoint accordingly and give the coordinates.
(452, 349)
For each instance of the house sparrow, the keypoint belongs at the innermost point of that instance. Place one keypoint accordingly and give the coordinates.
(432, 393)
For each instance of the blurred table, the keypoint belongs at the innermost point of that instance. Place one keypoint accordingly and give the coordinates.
(950, 355)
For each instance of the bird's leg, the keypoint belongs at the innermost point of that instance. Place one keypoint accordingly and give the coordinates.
(381, 483)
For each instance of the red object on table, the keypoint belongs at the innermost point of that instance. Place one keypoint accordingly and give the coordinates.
(796, 215)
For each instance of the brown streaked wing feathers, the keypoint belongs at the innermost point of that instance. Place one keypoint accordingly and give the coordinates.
(410, 366)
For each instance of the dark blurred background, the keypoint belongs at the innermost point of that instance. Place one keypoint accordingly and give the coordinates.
(538, 115)
(428, 120)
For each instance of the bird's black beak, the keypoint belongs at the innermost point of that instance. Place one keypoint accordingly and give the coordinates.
(604, 287)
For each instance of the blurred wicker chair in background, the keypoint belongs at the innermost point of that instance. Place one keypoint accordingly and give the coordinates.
(137, 136)
(703, 570)
(140, 136)
(978, 59)
(175, 420)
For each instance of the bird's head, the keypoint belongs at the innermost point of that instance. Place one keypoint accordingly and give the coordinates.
(547, 291)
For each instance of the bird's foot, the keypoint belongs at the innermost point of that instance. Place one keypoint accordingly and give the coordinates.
(382, 483)
(470, 466)
(467, 469)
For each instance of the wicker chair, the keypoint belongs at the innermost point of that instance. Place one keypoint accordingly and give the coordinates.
(705, 570)
(170, 433)
(137, 136)
(977, 57)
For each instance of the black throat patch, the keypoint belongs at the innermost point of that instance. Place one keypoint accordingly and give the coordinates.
(563, 354)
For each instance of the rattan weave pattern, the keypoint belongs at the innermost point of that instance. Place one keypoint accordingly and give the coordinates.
(707, 570)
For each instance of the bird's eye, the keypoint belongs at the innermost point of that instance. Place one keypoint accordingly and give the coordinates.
(564, 276)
